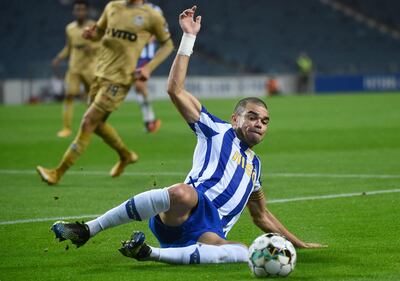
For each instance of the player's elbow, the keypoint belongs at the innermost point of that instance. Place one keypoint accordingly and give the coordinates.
(173, 88)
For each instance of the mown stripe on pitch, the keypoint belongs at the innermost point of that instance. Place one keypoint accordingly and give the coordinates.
(171, 173)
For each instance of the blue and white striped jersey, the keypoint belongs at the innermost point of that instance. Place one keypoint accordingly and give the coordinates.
(226, 170)
(149, 50)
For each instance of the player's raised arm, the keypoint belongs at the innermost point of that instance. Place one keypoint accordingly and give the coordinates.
(63, 54)
(161, 32)
(186, 103)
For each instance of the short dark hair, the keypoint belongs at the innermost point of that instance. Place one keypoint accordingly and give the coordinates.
(241, 105)
(81, 2)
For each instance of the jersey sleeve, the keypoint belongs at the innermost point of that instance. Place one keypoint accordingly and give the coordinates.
(257, 184)
(102, 21)
(208, 125)
(160, 27)
(64, 53)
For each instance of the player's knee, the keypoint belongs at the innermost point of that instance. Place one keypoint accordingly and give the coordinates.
(88, 123)
(183, 195)
(92, 119)
(139, 89)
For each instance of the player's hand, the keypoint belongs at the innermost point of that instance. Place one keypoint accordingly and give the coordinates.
(142, 73)
(306, 245)
(89, 32)
(187, 22)
(55, 62)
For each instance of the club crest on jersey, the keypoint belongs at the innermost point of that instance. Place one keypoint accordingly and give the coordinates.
(138, 20)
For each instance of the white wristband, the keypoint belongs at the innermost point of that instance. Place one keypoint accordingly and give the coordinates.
(187, 43)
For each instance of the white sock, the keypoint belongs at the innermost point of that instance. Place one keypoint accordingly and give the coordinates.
(141, 207)
(201, 253)
(150, 116)
(146, 108)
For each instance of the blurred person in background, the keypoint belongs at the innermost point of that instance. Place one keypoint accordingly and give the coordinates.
(81, 65)
(305, 68)
(124, 28)
(151, 123)
(272, 86)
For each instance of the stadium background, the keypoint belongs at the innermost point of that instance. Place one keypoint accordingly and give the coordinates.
(354, 45)
(330, 162)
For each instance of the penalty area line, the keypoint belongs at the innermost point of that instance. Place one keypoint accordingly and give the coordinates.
(274, 201)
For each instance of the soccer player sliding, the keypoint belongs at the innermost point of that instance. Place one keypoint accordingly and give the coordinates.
(191, 220)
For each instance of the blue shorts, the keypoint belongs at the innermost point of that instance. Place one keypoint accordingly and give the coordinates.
(204, 218)
(142, 62)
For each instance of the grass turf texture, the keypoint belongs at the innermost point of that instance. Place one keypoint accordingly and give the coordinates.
(327, 135)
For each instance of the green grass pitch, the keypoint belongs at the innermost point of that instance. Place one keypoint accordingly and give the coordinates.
(316, 146)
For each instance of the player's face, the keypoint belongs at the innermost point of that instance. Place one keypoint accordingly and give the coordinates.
(80, 12)
(252, 124)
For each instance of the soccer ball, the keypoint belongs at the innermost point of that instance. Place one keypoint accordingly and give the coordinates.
(271, 254)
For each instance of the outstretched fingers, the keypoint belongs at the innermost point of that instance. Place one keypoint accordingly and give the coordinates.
(192, 10)
(188, 12)
(198, 19)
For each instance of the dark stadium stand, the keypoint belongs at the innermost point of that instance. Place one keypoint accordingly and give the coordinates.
(32, 33)
(258, 36)
(385, 11)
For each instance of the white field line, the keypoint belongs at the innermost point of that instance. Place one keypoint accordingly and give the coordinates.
(287, 175)
(325, 175)
(332, 196)
(275, 201)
